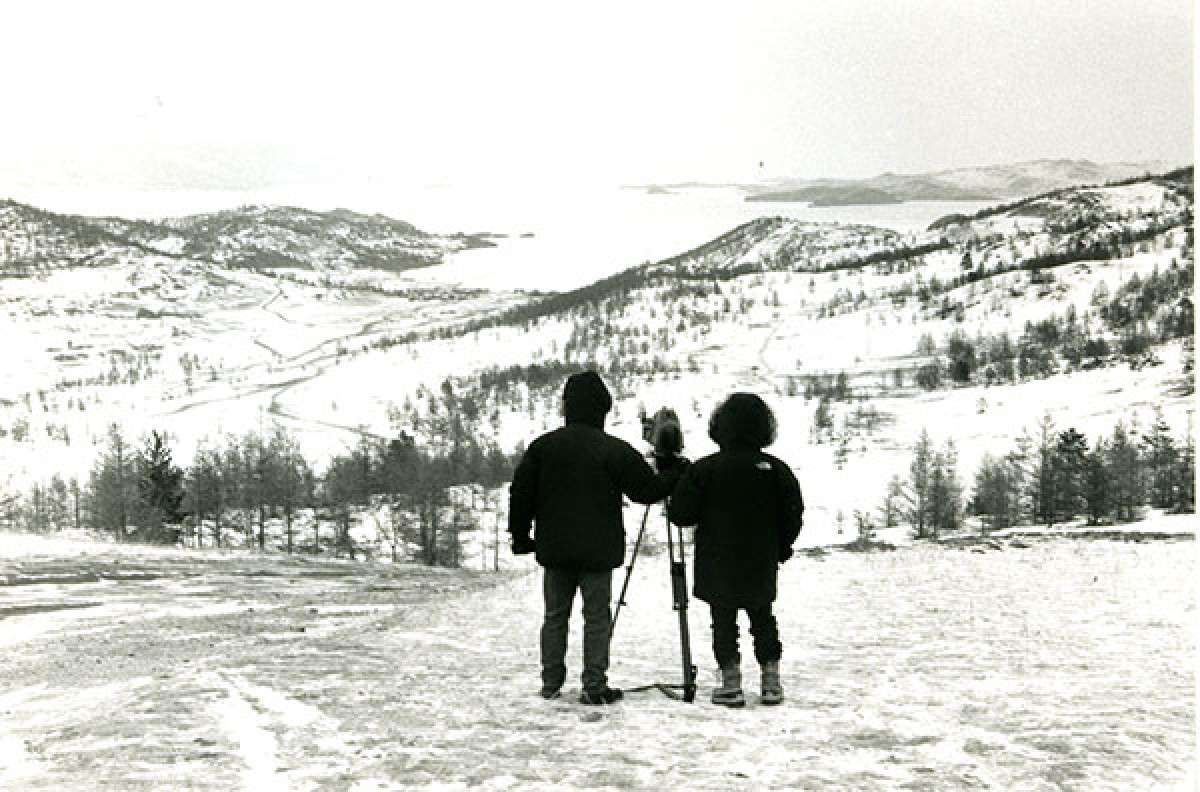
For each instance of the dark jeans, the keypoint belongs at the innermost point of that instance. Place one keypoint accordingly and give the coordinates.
(767, 647)
(558, 588)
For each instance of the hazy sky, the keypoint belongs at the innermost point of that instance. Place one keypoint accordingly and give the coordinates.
(219, 95)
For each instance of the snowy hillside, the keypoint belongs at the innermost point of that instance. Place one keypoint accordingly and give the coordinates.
(1075, 304)
(265, 236)
(150, 324)
(33, 240)
(789, 308)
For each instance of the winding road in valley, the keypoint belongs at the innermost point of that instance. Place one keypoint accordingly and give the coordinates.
(289, 371)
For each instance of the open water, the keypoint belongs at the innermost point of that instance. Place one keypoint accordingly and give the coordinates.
(554, 238)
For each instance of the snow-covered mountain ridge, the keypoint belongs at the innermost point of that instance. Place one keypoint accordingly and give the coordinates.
(1059, 221)
(265, 237)
(993, 182)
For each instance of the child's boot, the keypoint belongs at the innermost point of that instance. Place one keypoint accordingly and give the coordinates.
(729, 694)
(772, 687)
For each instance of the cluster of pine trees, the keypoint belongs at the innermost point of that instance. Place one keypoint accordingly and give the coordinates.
(130, 488)
(252, 489)
(930, 500)
(1059, 476)
(1049, 478)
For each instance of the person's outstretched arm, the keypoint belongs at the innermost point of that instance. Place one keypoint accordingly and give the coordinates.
(638, 481)
(684, 506)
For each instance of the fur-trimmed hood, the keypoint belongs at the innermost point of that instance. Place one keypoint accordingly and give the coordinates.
(743, 420)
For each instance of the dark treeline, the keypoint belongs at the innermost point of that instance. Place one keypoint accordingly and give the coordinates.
(433, 481)
(1058, 476)
(1047, 478)
(889, 257)
(507, 385)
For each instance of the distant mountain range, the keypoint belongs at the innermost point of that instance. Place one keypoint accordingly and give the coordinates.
(983, 183)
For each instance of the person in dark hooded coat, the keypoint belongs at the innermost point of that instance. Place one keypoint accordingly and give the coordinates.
(570, 484)
(748, 510)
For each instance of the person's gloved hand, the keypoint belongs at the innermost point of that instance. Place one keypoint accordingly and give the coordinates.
(523, 545)
(666, 462)
(671, 468)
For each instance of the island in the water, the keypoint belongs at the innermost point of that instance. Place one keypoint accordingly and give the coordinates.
(829, 196)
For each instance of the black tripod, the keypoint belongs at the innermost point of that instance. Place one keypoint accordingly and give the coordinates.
(679, 594)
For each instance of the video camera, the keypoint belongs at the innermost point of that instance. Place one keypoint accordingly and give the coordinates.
(665, 436)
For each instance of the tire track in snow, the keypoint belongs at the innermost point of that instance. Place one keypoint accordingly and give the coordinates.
(257, 746)
(256, 717)
(17, 765)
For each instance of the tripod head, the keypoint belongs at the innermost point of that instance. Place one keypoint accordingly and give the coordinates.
(663, 432)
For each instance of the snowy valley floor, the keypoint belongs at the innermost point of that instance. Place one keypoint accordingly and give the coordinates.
(1066, 664)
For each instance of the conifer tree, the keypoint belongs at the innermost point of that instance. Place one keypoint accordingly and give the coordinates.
(1098, 484)
(1021, 458)
(58, 508)
(1185, 496)
(289, 481)
(889, 511)
(160, 490)
(204, 492)
(920, 474)
(1161, 464)
(1069, 471)
(997, 493)
(1044, 474)
(1123, 466)
(112, 487)
(938, 498)
(233, 483)
(953, 509)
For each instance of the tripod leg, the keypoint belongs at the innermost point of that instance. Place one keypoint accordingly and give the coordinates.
(679, 592)
(628, 574)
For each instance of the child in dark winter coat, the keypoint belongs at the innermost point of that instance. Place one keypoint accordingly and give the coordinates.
(748, 510)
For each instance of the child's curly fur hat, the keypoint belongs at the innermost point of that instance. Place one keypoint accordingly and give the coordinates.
(743, 419)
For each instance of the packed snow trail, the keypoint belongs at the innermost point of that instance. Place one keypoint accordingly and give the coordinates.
(1064, 664)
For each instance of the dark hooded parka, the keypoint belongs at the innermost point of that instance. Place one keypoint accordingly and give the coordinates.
(570, 483)
(746, 506)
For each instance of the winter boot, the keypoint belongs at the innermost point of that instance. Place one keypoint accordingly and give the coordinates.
(600, 696)
(772, 687)
(729, 694)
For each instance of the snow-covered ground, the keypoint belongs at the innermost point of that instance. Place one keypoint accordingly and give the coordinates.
(1040, 664)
